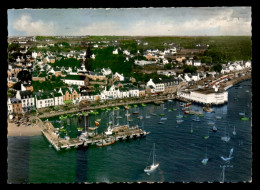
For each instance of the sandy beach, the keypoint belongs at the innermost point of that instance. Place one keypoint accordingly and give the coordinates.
(13, 130)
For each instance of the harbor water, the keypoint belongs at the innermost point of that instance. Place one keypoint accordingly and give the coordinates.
(178, 151)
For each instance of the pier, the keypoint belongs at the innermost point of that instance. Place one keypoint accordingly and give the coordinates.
(119, 133)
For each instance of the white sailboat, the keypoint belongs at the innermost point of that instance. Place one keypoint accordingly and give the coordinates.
(154, 165)
(110, 128)
(214, 128)
(234, 132)
(226, 137)
(229, 157)
(205, 160)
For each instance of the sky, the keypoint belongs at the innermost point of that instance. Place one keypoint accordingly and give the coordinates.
(181, 21)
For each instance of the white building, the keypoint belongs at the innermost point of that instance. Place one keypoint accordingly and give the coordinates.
(120, 76)
(195, 77)
(9, 107)
(143, 62)
(165, 61)
(187, 77)
(27, 100)
(106, 71)
(197, 63)
(34, 55)
(115, 51)
(205, 96)
(126, 52)
(166, 72)
(188, 62)
(46, 99)
(248, 64)
(93, 56)
(155, 87)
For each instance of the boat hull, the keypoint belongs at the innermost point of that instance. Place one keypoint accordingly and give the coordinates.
(151, 168)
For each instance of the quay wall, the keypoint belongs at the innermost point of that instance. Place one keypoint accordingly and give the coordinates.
(163, 98)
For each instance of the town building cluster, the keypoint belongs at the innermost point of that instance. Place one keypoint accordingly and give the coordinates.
(98, 85)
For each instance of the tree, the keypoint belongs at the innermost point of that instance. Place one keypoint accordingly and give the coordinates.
(24, 75)
(17, 86)
(217, 68)
(168, 66)
(189, 69)
(88, 58)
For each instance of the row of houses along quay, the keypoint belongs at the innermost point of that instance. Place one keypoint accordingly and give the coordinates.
(215, 93)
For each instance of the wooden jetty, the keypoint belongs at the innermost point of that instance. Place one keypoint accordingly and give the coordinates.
(119, 133)
(125, 132)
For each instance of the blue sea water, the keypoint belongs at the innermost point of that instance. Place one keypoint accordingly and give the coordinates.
(179, 152)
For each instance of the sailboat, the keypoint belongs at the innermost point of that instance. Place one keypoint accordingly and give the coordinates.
(205, 160)
(179, 120)
(229, 157)
(234, 132)
(214, 128)
(110, 128)
(225, 138)
(154, 165)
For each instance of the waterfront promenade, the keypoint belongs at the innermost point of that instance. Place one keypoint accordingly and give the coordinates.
(110, 104)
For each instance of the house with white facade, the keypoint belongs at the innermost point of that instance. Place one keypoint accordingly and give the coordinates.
(166, 72)
(34, 54)
(144, 62)
(115, 51)
(119, 76)
(195, 77)
(188, 62)
(46, 99)
(248, 64)
(155, 87)
(197, 63)
(165, 61)
(74, 80)
(106, 71)
(9, 107)
(27, 100)
(187, 77)
(126, 52)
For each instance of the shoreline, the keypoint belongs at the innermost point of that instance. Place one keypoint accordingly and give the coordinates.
(23, 131)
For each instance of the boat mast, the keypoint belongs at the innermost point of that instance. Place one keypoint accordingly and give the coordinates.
(113, 119)
(153, 152)
(223, 178)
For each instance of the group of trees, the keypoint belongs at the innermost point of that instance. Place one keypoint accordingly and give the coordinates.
(105, 58)
(189, 69)
(53, 82)
(67, 62)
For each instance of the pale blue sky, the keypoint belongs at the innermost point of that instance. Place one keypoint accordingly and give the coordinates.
(131, 21)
